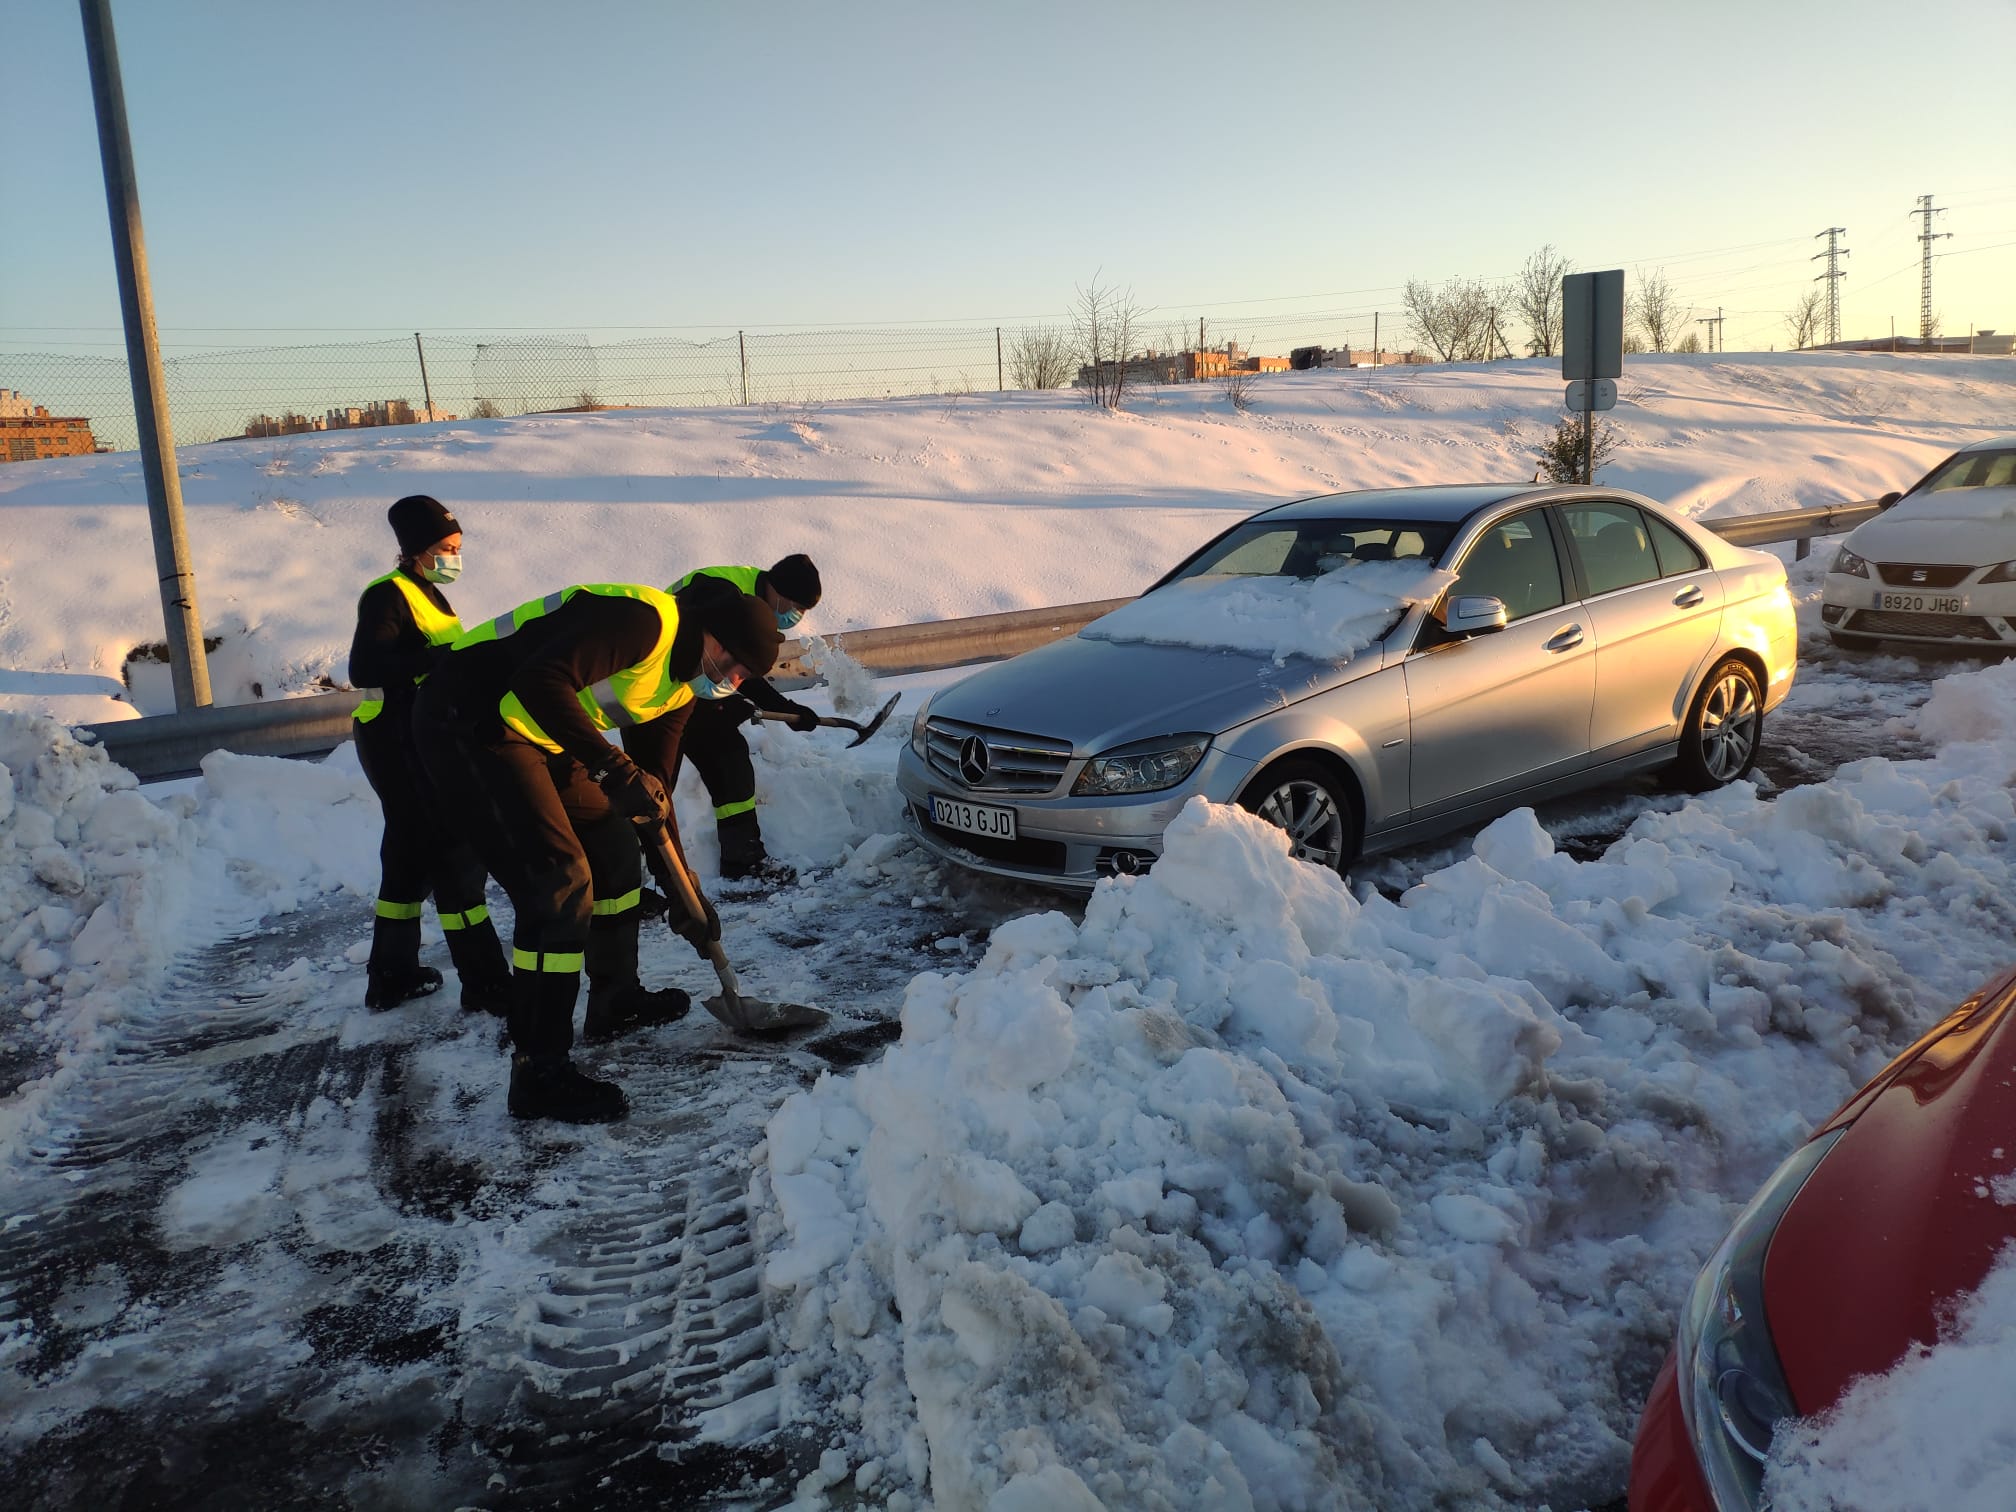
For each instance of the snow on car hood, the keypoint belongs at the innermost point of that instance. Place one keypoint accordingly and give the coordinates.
(1972, 525)
(1330, 618)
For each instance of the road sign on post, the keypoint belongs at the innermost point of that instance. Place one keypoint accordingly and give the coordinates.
(1592, 325)
(1586, 394)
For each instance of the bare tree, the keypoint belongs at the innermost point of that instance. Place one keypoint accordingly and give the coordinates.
(1802, 321)
(1536, 299)
(1239, 388)
(1455, 321)
(1040, 357)
(1103, 326)
(1657, 309)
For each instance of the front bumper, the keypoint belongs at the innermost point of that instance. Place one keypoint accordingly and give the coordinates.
(1061, 841)
(1665, 1475)
(1967, 615)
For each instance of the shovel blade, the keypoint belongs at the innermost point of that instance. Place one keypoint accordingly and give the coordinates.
(876, 723)
(760, 1019)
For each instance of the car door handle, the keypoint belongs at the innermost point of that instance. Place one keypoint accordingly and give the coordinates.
(1689, 596)
(1566, 640)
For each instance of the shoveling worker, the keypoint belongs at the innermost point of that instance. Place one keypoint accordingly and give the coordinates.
(404, 623)
(514, 722)
(714, 742)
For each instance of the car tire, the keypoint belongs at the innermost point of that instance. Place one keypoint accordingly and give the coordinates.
(1724, 729)
(1850, 642)
(1314, 805)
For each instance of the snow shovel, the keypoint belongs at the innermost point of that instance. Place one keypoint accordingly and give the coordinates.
(838, 723)
(744, 1015)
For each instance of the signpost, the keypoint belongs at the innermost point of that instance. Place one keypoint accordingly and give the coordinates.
(1592, 348)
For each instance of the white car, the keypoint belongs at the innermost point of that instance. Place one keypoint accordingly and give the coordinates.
(1938, 567)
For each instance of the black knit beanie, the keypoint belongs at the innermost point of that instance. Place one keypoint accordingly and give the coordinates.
(797, 579)
(743, 624)
(419, 521)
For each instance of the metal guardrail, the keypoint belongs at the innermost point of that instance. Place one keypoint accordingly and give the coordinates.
(174, 745)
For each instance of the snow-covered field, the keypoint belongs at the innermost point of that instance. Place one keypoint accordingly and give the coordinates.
(1238, 1188)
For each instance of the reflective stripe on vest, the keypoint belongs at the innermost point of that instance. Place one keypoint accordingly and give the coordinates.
(641, 691)
(439, 629)
(742, 577)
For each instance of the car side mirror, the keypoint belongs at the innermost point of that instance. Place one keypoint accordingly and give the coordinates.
(1888, 499)
(1474, 615)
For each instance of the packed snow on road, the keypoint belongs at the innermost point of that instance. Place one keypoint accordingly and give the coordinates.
(1237, 1185)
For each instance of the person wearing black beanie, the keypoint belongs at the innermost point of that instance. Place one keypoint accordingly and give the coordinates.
(514, 727)
(714, 739)
(404, 621)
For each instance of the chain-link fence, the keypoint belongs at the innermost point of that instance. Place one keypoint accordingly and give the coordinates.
(238, 391)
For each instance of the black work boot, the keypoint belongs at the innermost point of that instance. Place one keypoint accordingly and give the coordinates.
(743, 857)
(552, 1087)
(479, 961)
(619, 1010)
(394, 973)
(388, 989)
(617, 1001)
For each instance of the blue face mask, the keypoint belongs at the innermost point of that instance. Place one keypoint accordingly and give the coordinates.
(447, 567)
(704, 686)
(786, 618)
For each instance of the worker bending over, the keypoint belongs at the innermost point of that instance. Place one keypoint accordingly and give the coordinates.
(514, 722)
(714, 741)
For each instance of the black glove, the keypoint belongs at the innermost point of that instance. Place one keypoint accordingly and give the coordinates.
(652, 904)
(802, 719)
(634, 792)
(736, 711)
(699, 933)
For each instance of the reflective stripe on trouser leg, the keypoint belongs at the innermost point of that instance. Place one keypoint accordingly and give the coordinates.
(546, 960)
(391, 910)
(622, 903)
(730, 810)
(467, 919)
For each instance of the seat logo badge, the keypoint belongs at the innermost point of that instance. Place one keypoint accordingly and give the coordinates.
(973, 760)
(1918, 577)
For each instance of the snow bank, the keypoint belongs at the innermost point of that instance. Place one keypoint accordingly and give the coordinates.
(88, 915)
(1247, 1192)
(1330, 618)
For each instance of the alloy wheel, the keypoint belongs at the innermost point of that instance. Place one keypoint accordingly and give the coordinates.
(1729, 723)
(1316, 828)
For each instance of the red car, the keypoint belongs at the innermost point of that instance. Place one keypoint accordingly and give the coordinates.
(1842, 1261)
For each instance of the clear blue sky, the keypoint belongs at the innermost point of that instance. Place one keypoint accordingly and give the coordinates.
(373, 166)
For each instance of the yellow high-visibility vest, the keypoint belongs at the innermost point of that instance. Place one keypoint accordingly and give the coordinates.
(742, 577)
(641, 691)
(440, 630)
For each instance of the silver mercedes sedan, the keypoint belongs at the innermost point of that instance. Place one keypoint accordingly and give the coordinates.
(1365, 670)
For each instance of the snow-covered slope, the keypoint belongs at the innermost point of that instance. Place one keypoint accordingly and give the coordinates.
(916, 509)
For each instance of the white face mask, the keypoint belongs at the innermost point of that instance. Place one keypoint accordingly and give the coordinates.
(447, 567)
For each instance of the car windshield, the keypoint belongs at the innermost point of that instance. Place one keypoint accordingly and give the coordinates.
(1974, 469)
(1305, 549)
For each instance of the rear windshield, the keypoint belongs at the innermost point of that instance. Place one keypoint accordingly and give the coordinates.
(1310, 548)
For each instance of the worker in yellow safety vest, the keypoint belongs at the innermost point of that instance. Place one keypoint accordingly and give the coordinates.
(714, 742)
(404, 621)
(514, 724)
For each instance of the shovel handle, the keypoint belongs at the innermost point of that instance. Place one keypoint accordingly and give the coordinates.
(680, 880)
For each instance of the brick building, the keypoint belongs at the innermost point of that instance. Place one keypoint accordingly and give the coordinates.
(28, 432)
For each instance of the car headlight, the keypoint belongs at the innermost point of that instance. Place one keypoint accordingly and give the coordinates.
(917, 725)
(2001, 572)
(1146, 768)
(1845, 561)
(1732, 1389)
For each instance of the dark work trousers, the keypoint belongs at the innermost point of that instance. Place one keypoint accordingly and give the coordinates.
(567, 858)
(719, 751)
(421, 853)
